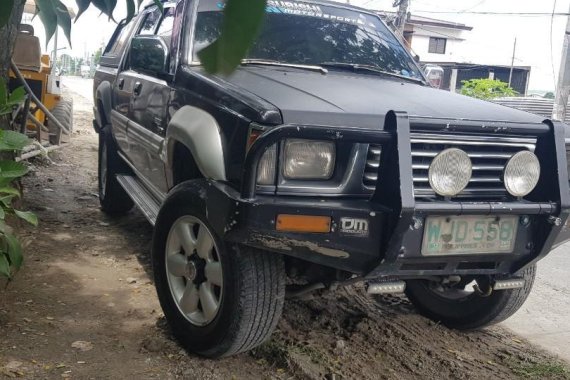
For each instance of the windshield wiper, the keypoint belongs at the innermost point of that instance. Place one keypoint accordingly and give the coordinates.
(368, 68)
(269, 62)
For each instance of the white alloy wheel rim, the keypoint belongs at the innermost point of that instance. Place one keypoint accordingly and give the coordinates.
(194, 270)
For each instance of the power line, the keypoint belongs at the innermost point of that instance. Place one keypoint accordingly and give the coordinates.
(549, 14)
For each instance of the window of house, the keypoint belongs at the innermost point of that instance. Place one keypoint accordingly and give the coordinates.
(437, 45)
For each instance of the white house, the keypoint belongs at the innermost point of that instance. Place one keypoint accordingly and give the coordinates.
(431, 39)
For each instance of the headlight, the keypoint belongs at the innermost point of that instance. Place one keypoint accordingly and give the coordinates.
(308, 159)
(521, 173)
(450, 172)
(266, 167)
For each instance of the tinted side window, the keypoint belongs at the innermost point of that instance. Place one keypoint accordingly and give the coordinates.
(150, 22)
(117, 41)
(165, 28)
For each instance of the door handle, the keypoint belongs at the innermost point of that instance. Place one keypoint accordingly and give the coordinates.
(121, 83)
(137, 88)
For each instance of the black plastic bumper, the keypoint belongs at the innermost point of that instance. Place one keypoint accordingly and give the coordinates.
(392, 245)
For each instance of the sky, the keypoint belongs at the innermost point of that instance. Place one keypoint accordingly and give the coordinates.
(490, 41)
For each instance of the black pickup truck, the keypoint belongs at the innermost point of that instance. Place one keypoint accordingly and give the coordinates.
(324, 160)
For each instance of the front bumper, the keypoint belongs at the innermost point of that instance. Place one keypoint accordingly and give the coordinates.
(391, 244)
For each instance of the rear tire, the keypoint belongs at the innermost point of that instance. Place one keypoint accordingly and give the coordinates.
(113, 198)
(245, 287)
(471, 311)
(63, 112)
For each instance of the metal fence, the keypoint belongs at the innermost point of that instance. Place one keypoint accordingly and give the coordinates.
(538, 106)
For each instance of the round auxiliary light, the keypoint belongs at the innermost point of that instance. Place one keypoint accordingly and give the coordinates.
(521, 173)
(450, 172)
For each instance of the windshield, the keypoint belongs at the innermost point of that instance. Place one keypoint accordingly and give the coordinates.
(311, 34)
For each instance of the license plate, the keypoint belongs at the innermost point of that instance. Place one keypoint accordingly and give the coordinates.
(459, 235)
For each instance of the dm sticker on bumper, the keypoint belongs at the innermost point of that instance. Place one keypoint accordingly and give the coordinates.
(354, 227)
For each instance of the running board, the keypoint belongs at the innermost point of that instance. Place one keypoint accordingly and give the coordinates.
(144, 200)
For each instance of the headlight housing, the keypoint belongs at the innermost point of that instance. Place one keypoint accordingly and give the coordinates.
(450, 172)
(308, 159)
(522, 173)
(266, 167)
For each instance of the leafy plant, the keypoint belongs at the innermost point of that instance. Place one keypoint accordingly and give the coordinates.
(486, 89)
(11, 257)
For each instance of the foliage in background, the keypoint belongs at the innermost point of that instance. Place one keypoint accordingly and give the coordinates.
(242, 21)
(486, 89)
(549, 95)
(10, 171)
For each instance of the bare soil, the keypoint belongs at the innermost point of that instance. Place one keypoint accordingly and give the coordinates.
(84, 307)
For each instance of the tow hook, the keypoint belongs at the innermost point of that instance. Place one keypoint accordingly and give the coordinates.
(483, 288)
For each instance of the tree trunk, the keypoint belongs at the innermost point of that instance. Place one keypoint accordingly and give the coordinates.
(8, 34)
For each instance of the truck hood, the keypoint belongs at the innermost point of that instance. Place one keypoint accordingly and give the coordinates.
(361, 100)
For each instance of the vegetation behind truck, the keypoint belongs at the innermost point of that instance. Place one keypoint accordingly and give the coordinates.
(325, 158)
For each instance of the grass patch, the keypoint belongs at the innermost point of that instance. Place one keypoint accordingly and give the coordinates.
(549, 370)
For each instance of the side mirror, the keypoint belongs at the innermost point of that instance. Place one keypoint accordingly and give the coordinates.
(149, 54)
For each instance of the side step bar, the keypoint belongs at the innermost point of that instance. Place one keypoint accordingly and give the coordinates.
(144, 200)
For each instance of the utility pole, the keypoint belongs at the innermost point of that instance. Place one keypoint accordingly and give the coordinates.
(563, 88)
(402, 14)
(512, 62)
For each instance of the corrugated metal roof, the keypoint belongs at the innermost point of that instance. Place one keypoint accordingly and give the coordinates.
(538, 106)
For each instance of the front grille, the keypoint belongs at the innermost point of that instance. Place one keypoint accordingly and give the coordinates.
(489, 156)
(371, 169)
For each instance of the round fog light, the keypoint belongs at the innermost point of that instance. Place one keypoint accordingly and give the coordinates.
(521, 173)
(450, 172)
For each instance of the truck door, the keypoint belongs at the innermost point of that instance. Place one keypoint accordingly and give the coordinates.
(148, 112)
(125, 84)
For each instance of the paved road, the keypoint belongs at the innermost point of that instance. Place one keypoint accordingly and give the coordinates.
(543, 320)
(545, 317)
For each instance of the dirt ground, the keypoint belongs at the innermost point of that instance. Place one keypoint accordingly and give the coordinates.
(84, 307)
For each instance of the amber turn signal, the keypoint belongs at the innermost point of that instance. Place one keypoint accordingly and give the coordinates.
(303, 223)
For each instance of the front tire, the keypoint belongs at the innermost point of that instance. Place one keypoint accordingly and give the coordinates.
(113, 198)
(464, 310)
(218, 300)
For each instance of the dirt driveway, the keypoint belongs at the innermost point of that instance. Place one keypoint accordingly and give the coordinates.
(84, 307)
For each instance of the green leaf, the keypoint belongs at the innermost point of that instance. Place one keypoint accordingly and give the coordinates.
(4, 266)
(18, 96)
(2, 214)
(12, 140)
(10, 190)
(82, 6)
(105, 6)
(14, 251)
(54, 13)
(242, 21)
(63, 19)
(28, 216)
(12, 169)
(48, 16)
(7, 201)
(130, 10)
(6, 7)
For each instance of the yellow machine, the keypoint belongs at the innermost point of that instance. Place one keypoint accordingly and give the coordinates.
(38, 72)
